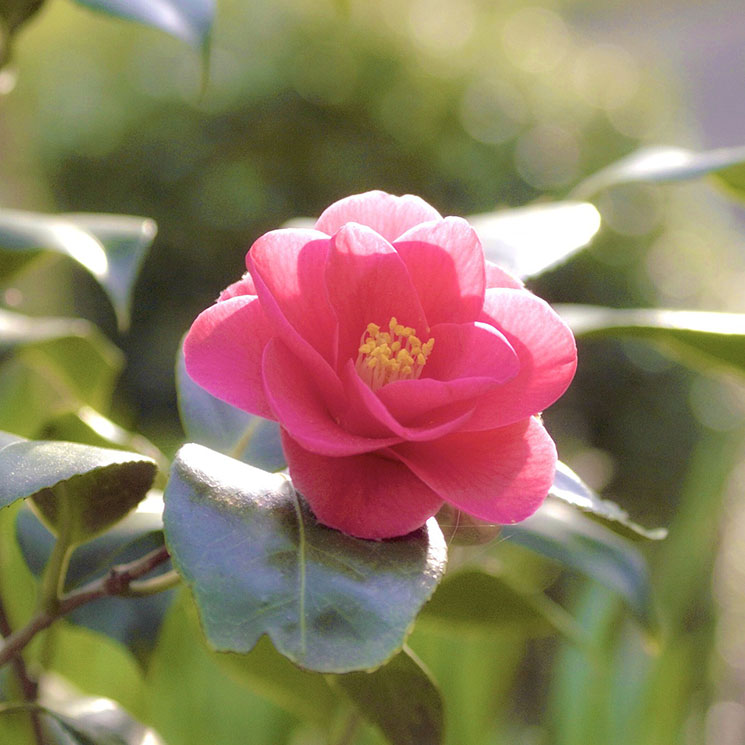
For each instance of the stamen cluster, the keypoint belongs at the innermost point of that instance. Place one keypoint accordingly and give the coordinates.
(387, 356)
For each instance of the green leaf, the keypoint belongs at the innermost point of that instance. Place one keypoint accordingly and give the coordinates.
(217, 425)
(188, 20)
(400, 698)
(528, 241)
(660, 164)
(259, 563)
(700, 339)
(86, 489)
(109, 247)
(560, 532)
(569, 488)
(472, 600)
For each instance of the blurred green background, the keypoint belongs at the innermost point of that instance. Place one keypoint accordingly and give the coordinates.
(471, 104)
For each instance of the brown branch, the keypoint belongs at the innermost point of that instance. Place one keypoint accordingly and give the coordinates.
(116, 583)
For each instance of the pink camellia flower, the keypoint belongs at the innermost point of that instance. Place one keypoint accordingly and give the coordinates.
(404, 370)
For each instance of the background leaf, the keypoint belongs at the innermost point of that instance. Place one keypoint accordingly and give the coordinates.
(259, 563)
(659, 164)
(110, 247)
(92, 488)
(530, 240)
(188, 20)
(219, 426)
(700, 339)
(400, 698)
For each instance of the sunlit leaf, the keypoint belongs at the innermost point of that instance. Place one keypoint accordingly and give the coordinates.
(701, 339)
(211, 422)
(258, 563)
(83, 488)
(564, 534)
(399, 698)
(110, 247)
(569, 488)
(530, 240)
(188, 20)
(658, 164)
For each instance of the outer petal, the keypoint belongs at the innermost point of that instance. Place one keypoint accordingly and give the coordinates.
(368, 282)
(386, 214)
(223, 351)
(299, 408)
(502, 475)
(368, 496)
(498, 277)
(244, 286)
(289, 265)
(546, 350)
(446, 263)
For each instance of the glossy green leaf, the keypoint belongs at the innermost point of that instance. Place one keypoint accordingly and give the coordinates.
(530, 240)
(259, 563)
(86, 489)
(188, 20)
(569, 488)
(701, 339)
(660, 164)
(400, 698)
(472, 600)
(562, 533)
(211, 422)
(110, 247)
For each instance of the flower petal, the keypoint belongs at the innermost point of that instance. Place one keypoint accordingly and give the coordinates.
(386, 214)
(299, 407)
(367, 496)
(547, 352)
(502, 475)
(244, 286)
(498, 277)
(446, 263)
(289, 265)
(223, 351)
(368, 282)
(368, 414)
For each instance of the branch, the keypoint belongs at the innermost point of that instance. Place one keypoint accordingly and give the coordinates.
(118, 582)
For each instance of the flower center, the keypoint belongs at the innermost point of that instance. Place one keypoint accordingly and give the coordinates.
(396, 354)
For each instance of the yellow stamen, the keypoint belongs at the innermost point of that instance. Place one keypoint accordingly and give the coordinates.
(395, 354)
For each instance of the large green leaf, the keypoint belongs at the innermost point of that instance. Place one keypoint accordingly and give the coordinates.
(530, 240)
(258, 563)
(109, 247)
(211, 422)
(701, 339)
(82, 488)
(562, 533)
(400, 698)
(659, 164)
(569, 488)
(188, 20)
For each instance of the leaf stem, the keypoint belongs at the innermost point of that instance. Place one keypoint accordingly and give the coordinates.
(117, 582)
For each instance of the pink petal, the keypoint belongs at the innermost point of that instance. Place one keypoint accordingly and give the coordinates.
(289, 265)
(223, 351)
(244, 286)
(368, 496)
(546, 350)
(368, 282)
(446, 263)
(502, 475)
(470, 350)
(498, 277)
(368, 414)
(299, 407)
(386, 214)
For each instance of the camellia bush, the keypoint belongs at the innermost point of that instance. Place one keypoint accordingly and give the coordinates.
(362, 410)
